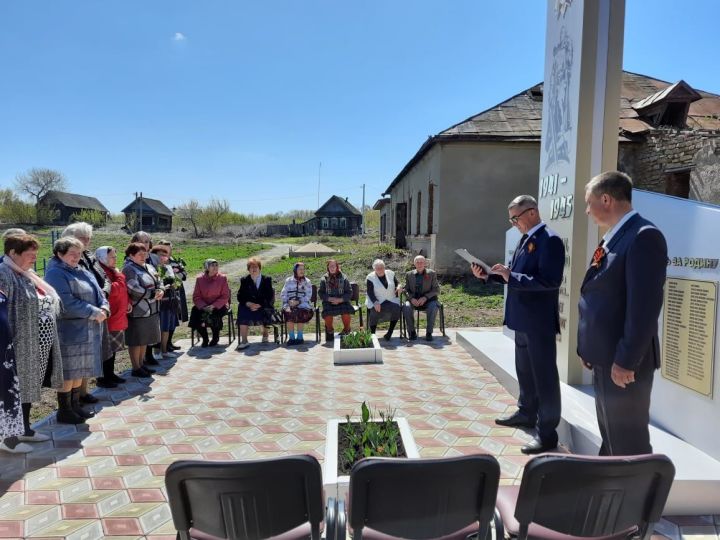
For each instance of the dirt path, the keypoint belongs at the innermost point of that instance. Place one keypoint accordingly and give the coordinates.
(237, 268)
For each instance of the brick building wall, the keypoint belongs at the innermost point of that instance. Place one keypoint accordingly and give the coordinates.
(669, 153)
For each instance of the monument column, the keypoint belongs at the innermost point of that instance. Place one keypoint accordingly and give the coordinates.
(581, 104)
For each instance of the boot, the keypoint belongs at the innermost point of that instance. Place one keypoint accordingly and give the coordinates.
(215, 338)
(204, 335)
(75, 404)
(373, 328)
(170, 345)
(65, 413)
(106, 381)
(329, 336)
(388, 335)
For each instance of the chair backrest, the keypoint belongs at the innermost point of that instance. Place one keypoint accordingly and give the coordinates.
(245, 499)
(593, 496)
(423, 498)
(313, 295)
(355, 292)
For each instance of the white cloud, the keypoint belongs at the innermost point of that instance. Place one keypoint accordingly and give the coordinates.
(179, 36)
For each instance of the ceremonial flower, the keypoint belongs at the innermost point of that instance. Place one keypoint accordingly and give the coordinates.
(530, 247)
(598, 257)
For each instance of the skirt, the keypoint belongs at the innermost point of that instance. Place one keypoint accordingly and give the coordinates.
(332, 310)
(117, 341)
(200, 318)
(298, 315)
(389, 311)
(168, 320)
(143, 331)
(247, 317)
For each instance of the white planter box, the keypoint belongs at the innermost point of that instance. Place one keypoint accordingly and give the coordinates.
(357, 356)
(337, 486)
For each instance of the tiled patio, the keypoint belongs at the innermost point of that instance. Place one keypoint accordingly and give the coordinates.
(106, 479)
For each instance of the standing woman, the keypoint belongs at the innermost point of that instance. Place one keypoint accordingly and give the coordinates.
(178, 267)
(255, 299)
(297, 309)
(169, 305)
(33, 306)
(211, 301)
(11, 423)
(335, 292)
(80, 326)
(143, 320)
(151, 263)
(117, 322)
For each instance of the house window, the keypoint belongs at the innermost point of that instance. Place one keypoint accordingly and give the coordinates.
(343, 223)
(409, 216)
(431, 203)
(419, 209)
(324, 223)
(677, 183)
(333, 223)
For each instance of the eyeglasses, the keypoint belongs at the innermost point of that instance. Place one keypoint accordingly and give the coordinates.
(514, 219)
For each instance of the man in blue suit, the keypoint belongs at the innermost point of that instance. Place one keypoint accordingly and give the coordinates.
(531, 310)
(620, 302)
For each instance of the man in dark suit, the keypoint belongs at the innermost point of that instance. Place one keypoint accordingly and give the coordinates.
(531, 310)
(422, 289)
(620, 302)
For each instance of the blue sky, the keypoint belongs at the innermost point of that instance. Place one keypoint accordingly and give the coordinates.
(242, 100)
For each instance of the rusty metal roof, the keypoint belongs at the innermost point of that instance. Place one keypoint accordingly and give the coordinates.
(519, 119)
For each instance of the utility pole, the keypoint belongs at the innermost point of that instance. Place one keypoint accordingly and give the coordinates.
(140, 225)
(363, 211)
(318, 197)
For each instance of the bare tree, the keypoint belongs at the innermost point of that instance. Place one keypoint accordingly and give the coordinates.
(190, 214)
(214, 215)
(37, 182)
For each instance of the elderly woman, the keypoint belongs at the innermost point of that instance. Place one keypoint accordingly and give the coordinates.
(178, 266)
(13, 231)
(169, 305)
(11, 420)
(84, 232)
(211, 301)
(143, 320)
(152, 263)
(117, 322)
(255, 298)
(297, 309)
(335, 293)
(33, 306)
(382, 297)
(80, 326)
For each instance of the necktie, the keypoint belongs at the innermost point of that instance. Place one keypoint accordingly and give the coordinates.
(517, 249)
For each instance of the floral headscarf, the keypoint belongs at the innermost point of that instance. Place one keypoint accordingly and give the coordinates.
(295, 269)
(333, 279)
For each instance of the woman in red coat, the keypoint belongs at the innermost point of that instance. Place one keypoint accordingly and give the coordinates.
(119, 308)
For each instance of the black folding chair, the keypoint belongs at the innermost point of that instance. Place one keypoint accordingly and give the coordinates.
(447, 498)
(231, 329)
(356, 300)
(246, 499)
(586, 497)
(403, 326)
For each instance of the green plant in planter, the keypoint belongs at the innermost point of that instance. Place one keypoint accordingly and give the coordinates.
(368, 438)
(359, 339)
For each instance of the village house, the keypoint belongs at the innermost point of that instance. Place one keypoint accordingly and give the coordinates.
(453, 193)
(149, 215)
(66, 205)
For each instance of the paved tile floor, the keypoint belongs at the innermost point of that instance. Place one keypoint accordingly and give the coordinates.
(106, 479)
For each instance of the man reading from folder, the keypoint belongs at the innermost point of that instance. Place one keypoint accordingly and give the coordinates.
(531, 310)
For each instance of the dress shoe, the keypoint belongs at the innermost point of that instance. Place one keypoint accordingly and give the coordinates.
(88, 398)
(412, 336)
(214, 341)
(102, 382)
(140, 373)
(536, 446)
(116, 379)
(173, 347)
(516, 420)
(151, 362)
(428, 337)
(387, 336)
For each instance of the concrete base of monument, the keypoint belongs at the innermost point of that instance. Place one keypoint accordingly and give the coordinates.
(696, 489)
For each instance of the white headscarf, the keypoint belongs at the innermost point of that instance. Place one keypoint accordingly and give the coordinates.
(101, 253)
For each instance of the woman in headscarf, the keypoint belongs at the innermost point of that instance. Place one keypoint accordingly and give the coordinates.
(143, 321)
(335, 292)
(211, 301)
(80, 326)
(255, 299)
(119, 307)
(297, 309)
(33, 306)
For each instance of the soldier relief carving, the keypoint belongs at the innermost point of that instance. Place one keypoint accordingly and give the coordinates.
(557, 146)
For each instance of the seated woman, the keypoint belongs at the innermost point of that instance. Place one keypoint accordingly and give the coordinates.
(211, 301)
(255, 298)
(80, 326)
(297, 309)
(169, 305)
(382, 297)
(335, 292)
